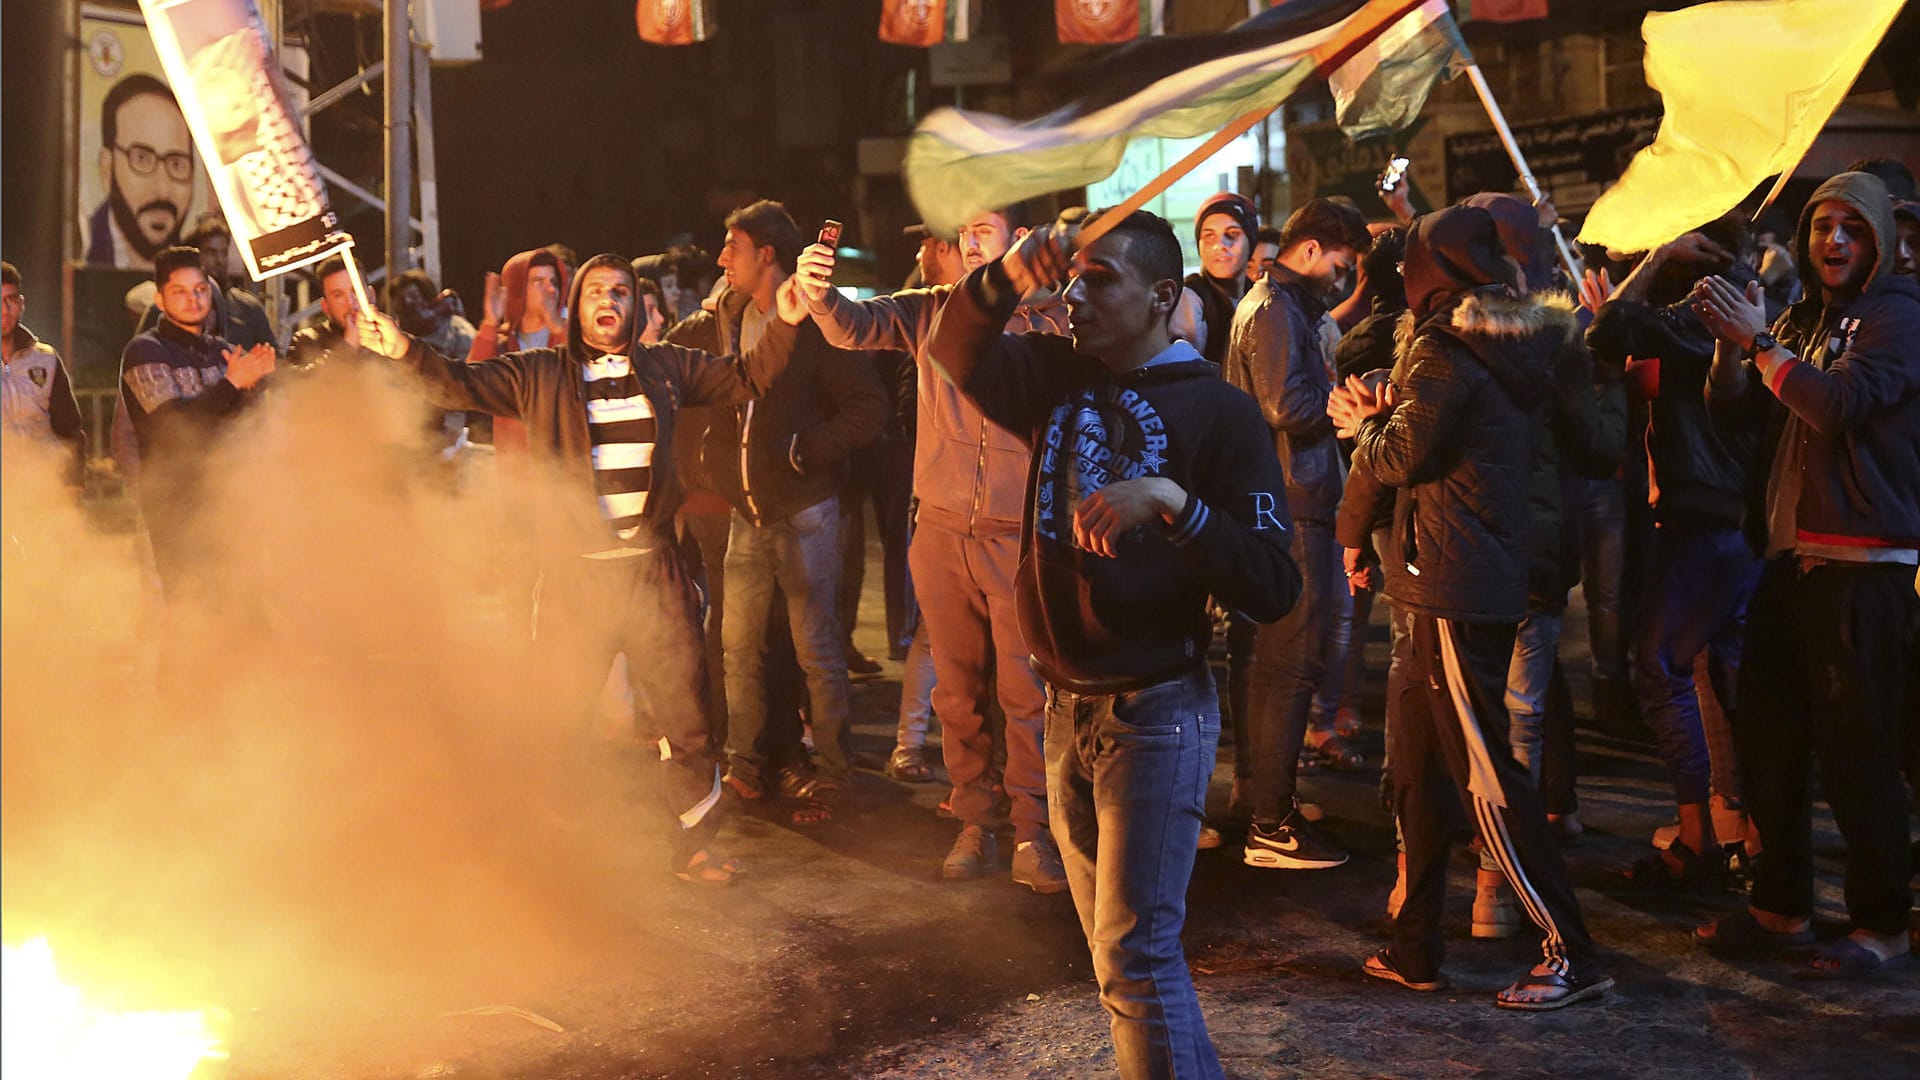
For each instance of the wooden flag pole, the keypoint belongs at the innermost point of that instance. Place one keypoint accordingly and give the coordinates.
(1095, 229)
(1519, 162)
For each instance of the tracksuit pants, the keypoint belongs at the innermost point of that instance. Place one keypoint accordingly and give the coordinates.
(1450, 747)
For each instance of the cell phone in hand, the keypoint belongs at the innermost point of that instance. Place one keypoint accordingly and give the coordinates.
(1395, 172)
(830, 233)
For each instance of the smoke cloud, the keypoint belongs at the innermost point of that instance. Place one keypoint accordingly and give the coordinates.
(329, 790)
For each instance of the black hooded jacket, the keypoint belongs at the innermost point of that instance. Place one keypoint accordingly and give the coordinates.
(1847, 415)
(545, 388)
(1475, 368)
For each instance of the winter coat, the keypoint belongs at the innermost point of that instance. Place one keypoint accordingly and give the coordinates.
(1274, 355)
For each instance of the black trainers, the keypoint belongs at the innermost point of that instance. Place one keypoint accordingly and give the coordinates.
(1291, 845)
(973, 854)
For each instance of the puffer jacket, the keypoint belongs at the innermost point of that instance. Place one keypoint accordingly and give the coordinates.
(1460, 446)
(1274, 355)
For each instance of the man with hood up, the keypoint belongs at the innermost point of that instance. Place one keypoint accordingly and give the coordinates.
(1456, 434)
(523, 311)
(1830, 627)
(600, 409)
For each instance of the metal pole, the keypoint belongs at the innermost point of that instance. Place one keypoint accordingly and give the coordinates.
(429, 187)
(1519, 161)
(399, 105)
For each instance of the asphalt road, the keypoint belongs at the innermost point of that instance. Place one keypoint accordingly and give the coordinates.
(842, 953)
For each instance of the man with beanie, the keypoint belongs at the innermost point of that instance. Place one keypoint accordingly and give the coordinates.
(1831, 624)
(1275, 356)
(1223, 231)
(970, 476)
(1152, 486)
(1455, 433)
(600, 409)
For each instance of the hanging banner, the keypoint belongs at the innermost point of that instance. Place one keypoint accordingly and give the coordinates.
(925, 23)
(235, 102)
(674, 22)
(139, 187)
(1108, 22)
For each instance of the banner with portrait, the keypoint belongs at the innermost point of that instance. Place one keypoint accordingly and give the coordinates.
(235, 102)
(139, 186)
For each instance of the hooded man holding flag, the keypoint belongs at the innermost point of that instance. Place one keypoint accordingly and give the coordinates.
(600, 408)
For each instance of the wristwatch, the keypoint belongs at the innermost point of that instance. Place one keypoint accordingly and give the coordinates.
(1762, 341)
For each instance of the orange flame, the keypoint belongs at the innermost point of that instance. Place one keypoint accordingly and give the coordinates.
(51, 1032)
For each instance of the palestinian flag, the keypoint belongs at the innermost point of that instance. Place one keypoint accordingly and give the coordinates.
(925, 23)
(1108, 22)
(960, 163)
(674, 22)
(1383, 87)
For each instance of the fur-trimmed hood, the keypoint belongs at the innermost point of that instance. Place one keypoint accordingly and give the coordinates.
(1514, 337)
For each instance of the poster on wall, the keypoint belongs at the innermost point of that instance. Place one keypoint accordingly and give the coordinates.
(234, 99)
(139, 184)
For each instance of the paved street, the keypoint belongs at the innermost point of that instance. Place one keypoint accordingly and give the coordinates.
(843, 954)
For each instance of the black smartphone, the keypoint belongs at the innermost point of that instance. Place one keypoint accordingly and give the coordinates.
(830, 233)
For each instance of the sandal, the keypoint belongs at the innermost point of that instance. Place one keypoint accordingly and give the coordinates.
(1556, 991)
(1333, 751)
(1382, 965)
(1848, 959)
(1740, 932)
(704, 869)
(820, 804)
(909, 764)
(795, 783)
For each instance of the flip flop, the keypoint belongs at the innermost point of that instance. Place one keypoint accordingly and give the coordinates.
(1566, 990)
(1852, 960)
(703, 869)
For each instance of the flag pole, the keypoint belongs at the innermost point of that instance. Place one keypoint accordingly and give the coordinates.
(1095, 229)
(353, 275)
(1519, 161)
(1779, 185)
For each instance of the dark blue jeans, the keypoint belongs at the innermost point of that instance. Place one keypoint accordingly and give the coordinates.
(1696, 600)
(1127, 782)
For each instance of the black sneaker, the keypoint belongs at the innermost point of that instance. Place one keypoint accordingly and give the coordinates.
(1291, 845)
(1383, 965)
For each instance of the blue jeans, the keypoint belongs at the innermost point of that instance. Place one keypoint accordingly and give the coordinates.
(1535, 644)
(1697, 601)
(802, 555)
(1127, 779)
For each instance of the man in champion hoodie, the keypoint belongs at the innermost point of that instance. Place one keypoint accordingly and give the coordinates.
(1456, 433)
(600, 409)
(1152, 486)
(1830, 626)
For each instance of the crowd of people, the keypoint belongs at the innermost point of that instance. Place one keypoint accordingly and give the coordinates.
(1086, 467)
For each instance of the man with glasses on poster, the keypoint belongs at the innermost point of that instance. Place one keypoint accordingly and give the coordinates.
(147, 166)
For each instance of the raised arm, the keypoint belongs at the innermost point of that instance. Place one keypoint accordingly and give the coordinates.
(1005, 374)
(496, 386)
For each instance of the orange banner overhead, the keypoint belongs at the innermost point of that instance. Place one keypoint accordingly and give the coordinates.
(923, 23)
(1107, 22)
(674, 22)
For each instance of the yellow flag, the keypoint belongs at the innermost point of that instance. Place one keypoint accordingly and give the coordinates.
(1747, 86)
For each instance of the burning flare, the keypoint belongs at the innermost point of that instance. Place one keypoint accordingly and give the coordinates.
(51, 1033)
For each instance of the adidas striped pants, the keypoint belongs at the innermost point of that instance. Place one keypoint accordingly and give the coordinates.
(1450, 750)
